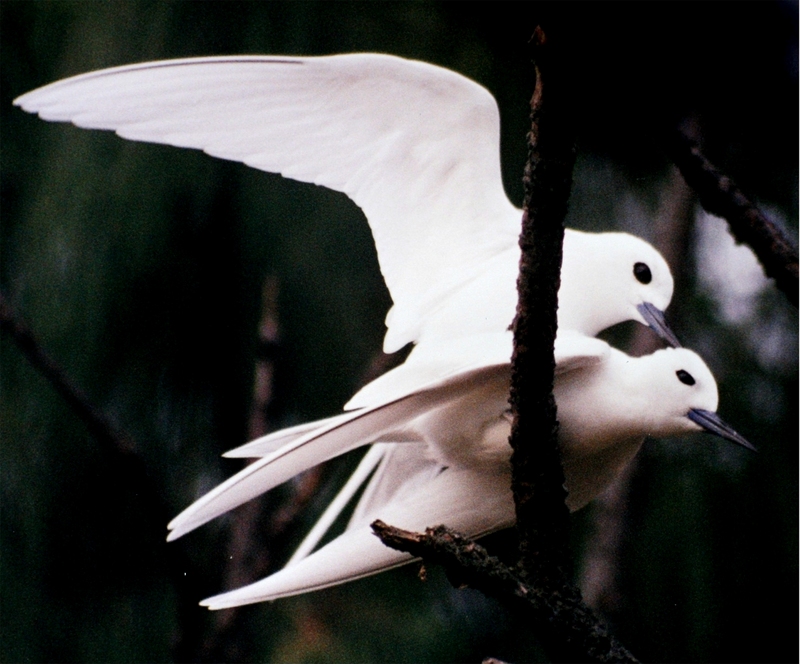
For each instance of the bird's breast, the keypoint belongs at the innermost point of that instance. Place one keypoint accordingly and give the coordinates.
(587, 473)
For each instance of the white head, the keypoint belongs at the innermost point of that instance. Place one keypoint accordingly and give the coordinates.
(624, 273)
(682, 394)
(607, 408)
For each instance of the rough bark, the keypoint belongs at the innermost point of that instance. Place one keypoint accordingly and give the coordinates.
(540, 583)
(537, 477)
(573, 632)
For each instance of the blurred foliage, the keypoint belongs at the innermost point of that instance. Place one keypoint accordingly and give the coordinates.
(139, 268)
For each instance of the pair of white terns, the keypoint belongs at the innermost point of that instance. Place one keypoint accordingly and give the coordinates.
(416, 147)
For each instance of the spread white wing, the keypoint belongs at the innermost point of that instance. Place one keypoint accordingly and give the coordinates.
(414, 145)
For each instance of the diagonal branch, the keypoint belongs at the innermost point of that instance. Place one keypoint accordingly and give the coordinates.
(124, 462)
(572, 627)
(98, 424)
(720, 196)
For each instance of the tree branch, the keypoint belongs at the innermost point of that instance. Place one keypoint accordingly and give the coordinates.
(537, 477)
(720, 196)
(123, 461)
(100, 426)
(573, 630)
(540, 583)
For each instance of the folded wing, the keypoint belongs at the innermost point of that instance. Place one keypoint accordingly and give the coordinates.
(268, 444)
(393, 469)
(393, 420)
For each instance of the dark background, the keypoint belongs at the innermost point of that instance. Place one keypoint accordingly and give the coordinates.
(140, 269)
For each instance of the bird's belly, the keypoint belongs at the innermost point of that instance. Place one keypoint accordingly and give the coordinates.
(587, 473)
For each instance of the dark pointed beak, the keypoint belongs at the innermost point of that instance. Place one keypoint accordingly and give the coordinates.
(713, 423)
(655, 319)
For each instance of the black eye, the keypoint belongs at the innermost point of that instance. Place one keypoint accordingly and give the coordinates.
(685, 377)
(642, 273)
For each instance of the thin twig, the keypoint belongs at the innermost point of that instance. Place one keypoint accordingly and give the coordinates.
(571, 625)
(98, 424)
(720, 196)
(123, 461)
(259, 528)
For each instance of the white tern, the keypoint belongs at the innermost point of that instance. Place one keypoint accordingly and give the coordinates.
(416, 146)
(448, 456)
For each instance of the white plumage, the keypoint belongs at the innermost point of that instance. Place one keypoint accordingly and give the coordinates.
(416, 147)
(455, 470)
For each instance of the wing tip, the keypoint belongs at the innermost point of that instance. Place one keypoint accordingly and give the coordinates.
(233, 599)
(24, 102)
(211, 605)
(180, 526)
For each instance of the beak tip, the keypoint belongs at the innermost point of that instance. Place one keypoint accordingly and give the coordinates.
(714, 424)
(654, 318)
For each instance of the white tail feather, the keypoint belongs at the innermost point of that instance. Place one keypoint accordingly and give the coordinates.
(475, 503)
(403, 468)
(354, 483)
